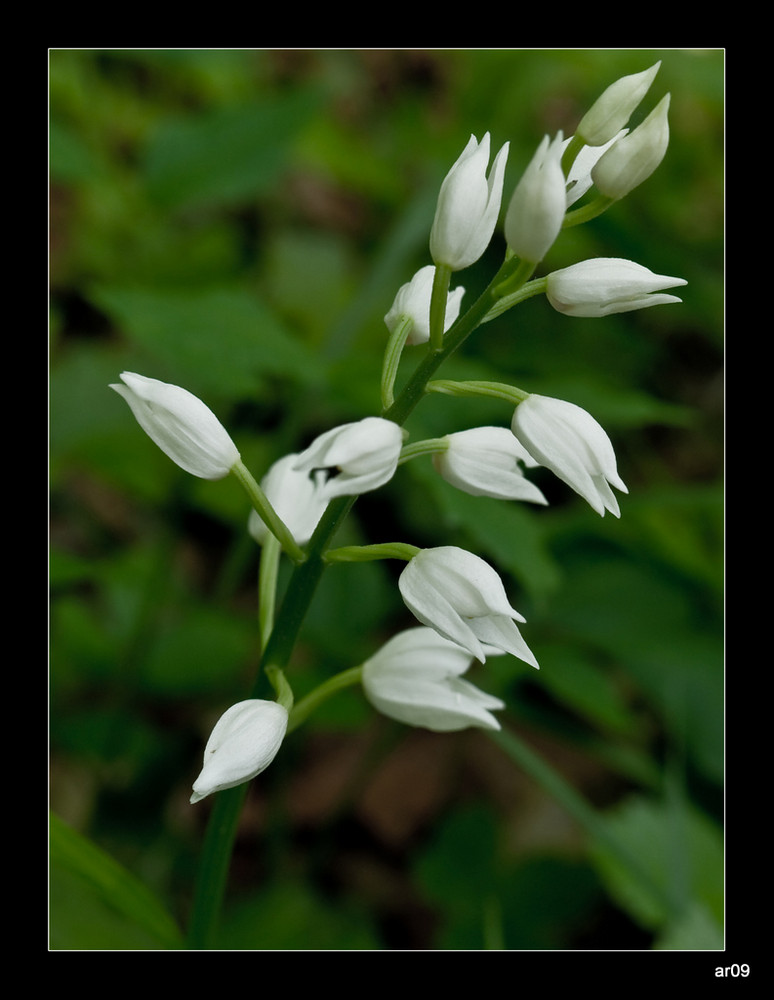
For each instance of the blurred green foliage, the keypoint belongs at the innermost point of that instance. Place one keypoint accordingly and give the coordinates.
(237, 222)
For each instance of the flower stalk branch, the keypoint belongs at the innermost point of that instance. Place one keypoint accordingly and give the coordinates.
(266, 512)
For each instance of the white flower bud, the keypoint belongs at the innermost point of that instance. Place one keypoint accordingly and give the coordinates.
(567, 440)
(297, 497)
(464, 600)
(612, 110)
(181, 425)
(632, 159)
(360, 456)
(243, 743)
(536, 210)
(415, 679)
(468, 206)
(486, 462)
(413, 302)
(605, 285)
(579, 176)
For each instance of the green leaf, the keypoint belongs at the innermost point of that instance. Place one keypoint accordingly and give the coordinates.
(287, 915)
(224, 155)
(578, 682)
(222, 341)
(96, 904)
(678, 847)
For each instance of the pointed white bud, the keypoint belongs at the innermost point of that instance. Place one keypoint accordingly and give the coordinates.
(487, 462)
(464, 600)
(468, 206)
(416, 679)
(612, 110)
(605, 285)
(359, 457)
(579, 177)
(536, 210)
(632, 159)
(244, 741)
(567, 440)
(181, 425)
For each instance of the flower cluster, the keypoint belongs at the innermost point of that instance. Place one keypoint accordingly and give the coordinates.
(460, 601)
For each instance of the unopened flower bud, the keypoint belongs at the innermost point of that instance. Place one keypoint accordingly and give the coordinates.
(610, 112)
(567, 440)
(416, 678)
(413, 302)
(487, 462)
(244, 741)
(632, 159)
(181, 425)
(359, 457)
(605, 285)
(536, 211)
(297, 497)
(579, 175)
(464, 600)
(468, 206)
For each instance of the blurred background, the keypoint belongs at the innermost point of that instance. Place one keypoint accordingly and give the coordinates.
(237, 223)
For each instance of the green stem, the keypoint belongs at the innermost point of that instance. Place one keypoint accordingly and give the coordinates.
(224, 818)
(455, 337)
(304, 708)
(213, 867)
(514, 282)
(222, 827)
(266, 512)
(438, 300)
(367, 553)
(594, 208)
(430, 446)
(526, 291)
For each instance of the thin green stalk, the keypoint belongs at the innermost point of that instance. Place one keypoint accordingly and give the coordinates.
(594, 208)
(526, 291)
(266, 512)
(368, 553)
(304, 708)
(440, 294)
(213, 867)
(430, 446)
